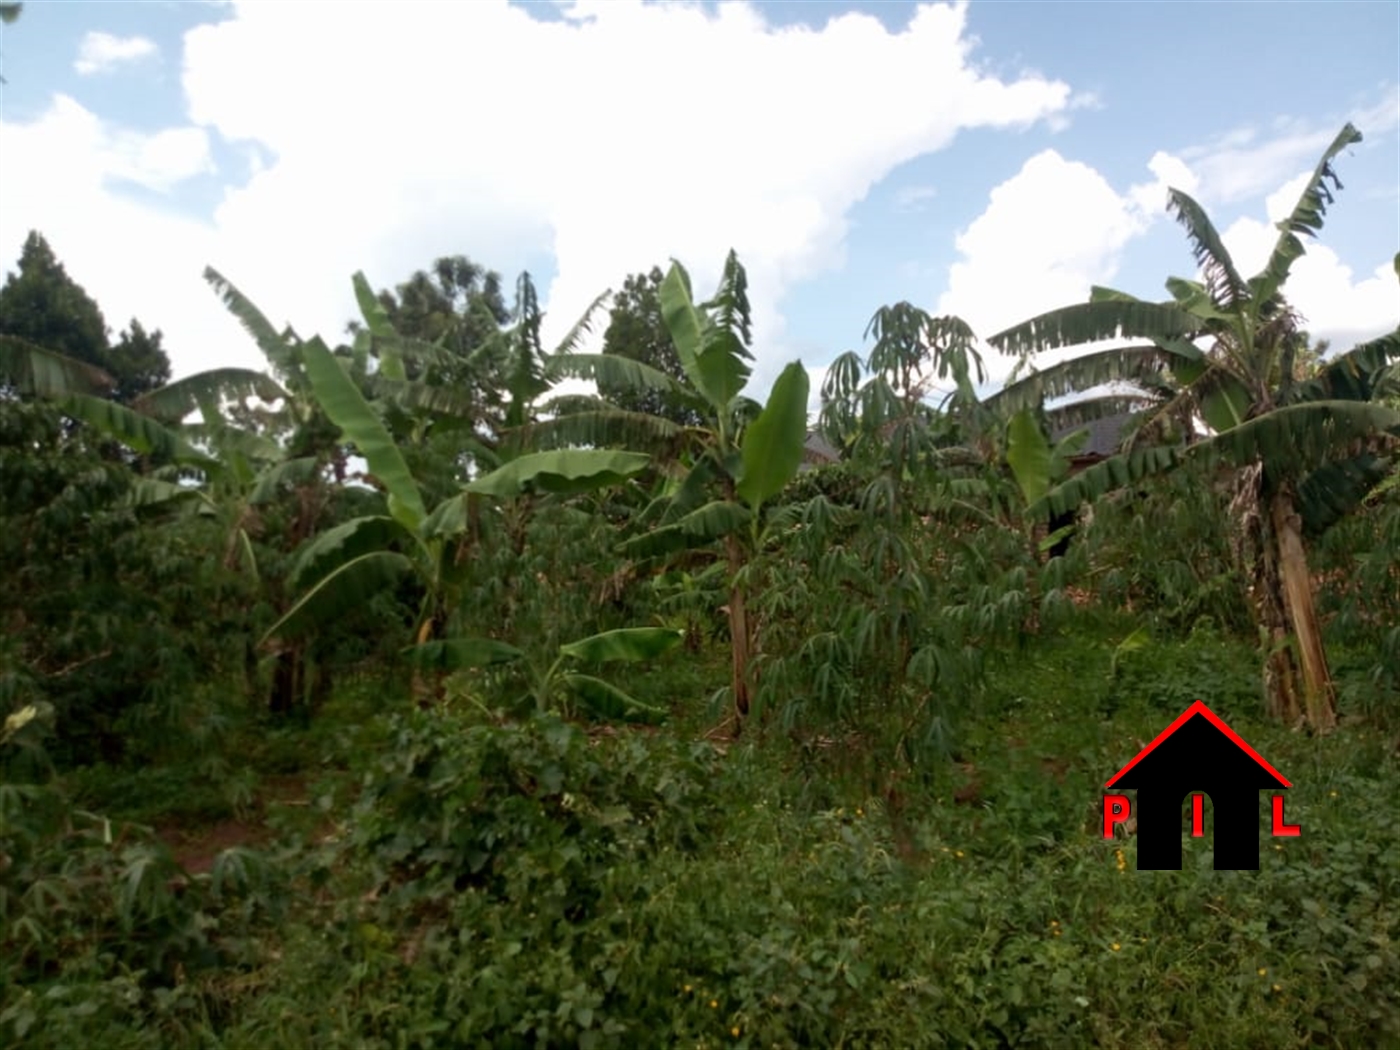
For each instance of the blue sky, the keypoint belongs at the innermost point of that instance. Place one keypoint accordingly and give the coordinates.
(991, 160)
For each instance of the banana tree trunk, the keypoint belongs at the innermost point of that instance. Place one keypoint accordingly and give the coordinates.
(738, 634)
(1319, 699)
(1269, 547)
(425, 691)
(288, 680)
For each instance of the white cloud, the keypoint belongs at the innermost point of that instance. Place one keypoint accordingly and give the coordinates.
(102, 52)
(914, 198)
(613, 143)
(1245, 163)
(133, 259)
(101, 151)
(1056, 228)
(1048, 235)
(1334, 305)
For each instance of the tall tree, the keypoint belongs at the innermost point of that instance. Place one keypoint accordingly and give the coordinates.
(46, 308)
(137, 362)
(458, 305)
(637, 331)
(41, 304)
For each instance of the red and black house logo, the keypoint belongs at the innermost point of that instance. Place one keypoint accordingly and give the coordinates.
(1199, 755)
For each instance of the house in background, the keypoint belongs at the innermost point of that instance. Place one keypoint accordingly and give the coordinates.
(817, 452)
(1106, 437)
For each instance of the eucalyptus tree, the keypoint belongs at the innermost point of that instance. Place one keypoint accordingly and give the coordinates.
(637, 331)
(1301, 453)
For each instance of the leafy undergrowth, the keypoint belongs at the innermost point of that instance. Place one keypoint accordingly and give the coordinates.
(532, 885)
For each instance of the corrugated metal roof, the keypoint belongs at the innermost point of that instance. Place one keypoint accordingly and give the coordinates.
(1106, 435)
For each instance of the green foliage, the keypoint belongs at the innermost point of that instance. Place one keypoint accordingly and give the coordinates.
(525, 884)
(637, 332)
(100, 928)
(46, 308)
(347, 409)
(560, 470)
(41, 304)
(930, 707)
(772, 447)
(1162, 549)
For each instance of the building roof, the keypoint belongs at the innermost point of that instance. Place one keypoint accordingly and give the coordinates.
(1106, 434)
(817, 450)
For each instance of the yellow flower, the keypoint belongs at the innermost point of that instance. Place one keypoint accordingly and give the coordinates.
(1333, 794)
(860, 813)
(714, 1004)
(1116, 946)
(1054, 922)
(957, 853)
(1278, 987)
(687, 988)
(734, 1031)
(1262, 971)
(1056, 932)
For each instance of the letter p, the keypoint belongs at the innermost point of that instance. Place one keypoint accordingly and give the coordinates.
(1115, 811)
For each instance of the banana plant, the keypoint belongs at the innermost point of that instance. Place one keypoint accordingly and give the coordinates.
(1302, 450)
(562, 680)
(1037, 463)
(361, 557)
(745, 454)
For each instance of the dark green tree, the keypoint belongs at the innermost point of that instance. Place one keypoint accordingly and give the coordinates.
(637, 330)
(42, 305)
(137, 362)
(459, 305)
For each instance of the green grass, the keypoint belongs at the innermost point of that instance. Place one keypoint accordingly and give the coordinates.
(459, 883)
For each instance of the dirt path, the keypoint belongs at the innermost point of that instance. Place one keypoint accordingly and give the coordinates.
(195, 848)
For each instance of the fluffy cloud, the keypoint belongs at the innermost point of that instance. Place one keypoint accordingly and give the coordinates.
(1049, 233)
(1246, 161)
(62, 177)
(1334, 305)
(103, 52)
(609, 140)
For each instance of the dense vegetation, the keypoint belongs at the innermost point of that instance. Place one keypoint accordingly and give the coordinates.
(391, 698)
